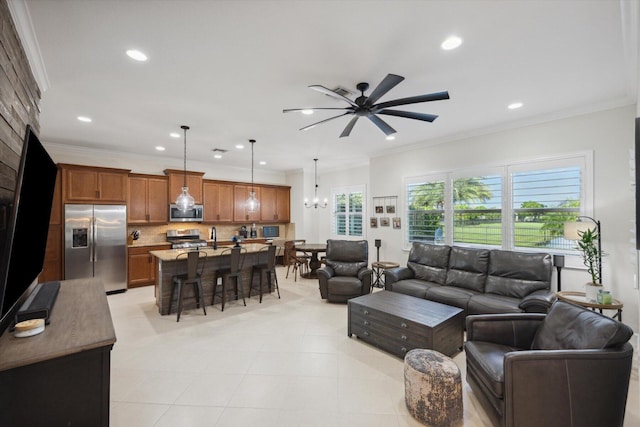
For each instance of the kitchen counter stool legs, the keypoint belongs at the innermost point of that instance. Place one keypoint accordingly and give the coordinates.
(231, 276)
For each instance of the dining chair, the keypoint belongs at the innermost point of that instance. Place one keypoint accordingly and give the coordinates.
(266, 267)
(295, 259)
(231, 276)
(196, 261)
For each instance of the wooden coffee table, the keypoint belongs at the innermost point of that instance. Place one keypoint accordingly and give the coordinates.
(398, 323)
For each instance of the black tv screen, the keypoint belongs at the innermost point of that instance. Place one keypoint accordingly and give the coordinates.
(26, 228)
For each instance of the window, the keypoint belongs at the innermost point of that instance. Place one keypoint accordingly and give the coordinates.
(517, 206)
(348, 211)
(425, 209)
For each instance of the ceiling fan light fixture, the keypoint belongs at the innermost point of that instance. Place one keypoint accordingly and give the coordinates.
(390, 137)
(451, 43)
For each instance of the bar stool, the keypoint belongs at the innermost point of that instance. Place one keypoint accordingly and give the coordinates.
(196, 261)
(231, 276)
(266, 267)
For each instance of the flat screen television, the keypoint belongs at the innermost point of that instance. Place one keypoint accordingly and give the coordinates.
(25, 226)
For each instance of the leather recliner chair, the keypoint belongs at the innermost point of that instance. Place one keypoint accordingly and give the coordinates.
(570, 367)
(346, 273)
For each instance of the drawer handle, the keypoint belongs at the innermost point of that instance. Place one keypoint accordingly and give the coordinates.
(366, 323)
(403, 337)
(403, 349)
(366, 333)
(404, 325)
(365, 312)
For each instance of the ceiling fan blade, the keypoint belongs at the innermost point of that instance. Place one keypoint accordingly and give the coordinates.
(385, 86)
(436, 96)
(332, 94)
(325, 120)
(298, 110)
(349, 127)
(409, 115)
(382, 125)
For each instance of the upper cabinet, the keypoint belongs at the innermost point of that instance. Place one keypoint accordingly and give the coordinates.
(177, 180)
(274, 205)
(240, 195)
(147, 199)
(86, 184)
(217, 198)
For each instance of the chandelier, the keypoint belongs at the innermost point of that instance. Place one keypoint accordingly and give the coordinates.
(316, 202)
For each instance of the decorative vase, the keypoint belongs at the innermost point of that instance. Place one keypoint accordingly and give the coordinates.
(591, 291)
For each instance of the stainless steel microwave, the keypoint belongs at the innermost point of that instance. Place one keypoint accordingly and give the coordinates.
(193, 214)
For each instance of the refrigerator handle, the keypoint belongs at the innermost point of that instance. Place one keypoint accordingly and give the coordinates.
(94, 235)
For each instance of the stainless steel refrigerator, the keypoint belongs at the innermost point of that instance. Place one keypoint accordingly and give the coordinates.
(95, 244)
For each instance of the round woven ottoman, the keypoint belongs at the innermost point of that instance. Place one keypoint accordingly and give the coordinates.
(432, 388)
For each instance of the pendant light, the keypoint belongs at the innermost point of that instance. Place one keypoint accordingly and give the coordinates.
(252, 202)
(185, 201)
(316, 202)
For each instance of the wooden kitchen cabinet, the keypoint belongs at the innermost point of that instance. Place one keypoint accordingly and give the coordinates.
(147, 201)
(275, 205)
(176, 182)
(217, 198)
(240, 195)
(87, 184)
(142, 265)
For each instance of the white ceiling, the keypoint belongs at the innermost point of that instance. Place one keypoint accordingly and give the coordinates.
(228, 69)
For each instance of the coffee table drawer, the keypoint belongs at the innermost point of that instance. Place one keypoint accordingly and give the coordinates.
(385, 343)
(412, 335)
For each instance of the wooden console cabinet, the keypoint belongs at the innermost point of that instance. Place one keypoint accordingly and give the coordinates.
(61, 377)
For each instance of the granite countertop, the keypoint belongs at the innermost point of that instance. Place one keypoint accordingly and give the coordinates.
(170, 254)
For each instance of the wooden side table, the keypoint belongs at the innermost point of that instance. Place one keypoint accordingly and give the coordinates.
(580, 298)
(378, 272)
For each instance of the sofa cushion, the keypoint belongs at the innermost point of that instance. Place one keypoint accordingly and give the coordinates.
(468, 268)
(450, 295)
(493, 304)
(344, 285)
(350, 269)
(429, 262)
(517, 274)
(413, 287)
(568, 326)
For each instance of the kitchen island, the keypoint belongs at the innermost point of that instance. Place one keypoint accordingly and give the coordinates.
(169, 267)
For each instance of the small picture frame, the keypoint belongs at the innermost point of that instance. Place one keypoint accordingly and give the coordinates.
(373, 222)
(391, 209)
(384, 221)
(396, 223)
(379, 209)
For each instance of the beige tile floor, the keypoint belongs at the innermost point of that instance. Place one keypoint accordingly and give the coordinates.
(284, 362)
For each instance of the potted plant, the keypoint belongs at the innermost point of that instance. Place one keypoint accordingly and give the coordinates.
(591, 256)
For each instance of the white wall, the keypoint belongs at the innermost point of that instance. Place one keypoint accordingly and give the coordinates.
(609, 134)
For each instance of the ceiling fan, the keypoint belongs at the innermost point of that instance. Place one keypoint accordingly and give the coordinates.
(365, 106)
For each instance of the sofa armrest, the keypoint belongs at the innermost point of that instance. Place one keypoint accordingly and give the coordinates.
(538, 383)
(324, 274)
(539, 301)
(510, 329)
(392, 275)
(365, 275)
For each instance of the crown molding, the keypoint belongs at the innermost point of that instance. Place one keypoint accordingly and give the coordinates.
(24, 26)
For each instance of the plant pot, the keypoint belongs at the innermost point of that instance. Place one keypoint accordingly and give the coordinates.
(591, 291)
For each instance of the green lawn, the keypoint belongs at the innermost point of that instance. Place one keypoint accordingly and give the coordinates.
(527, 234)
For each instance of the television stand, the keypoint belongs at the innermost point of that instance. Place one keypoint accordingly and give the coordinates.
(64, 372)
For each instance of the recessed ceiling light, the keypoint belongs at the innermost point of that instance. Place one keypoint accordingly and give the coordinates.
(451, 43)
(84, 119)
(137, 55)
(307, 112)
(262, 162)
(217, 156)
(515, 105)
(174, 135)
(160, 148)
(239, 146)
(390, 138)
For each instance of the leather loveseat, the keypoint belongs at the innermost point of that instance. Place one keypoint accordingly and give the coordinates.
(570, 367)
(480, 281)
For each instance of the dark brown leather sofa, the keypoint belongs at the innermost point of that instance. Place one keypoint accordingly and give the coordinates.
(480, 281)
(345, 274)
(568, 368)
